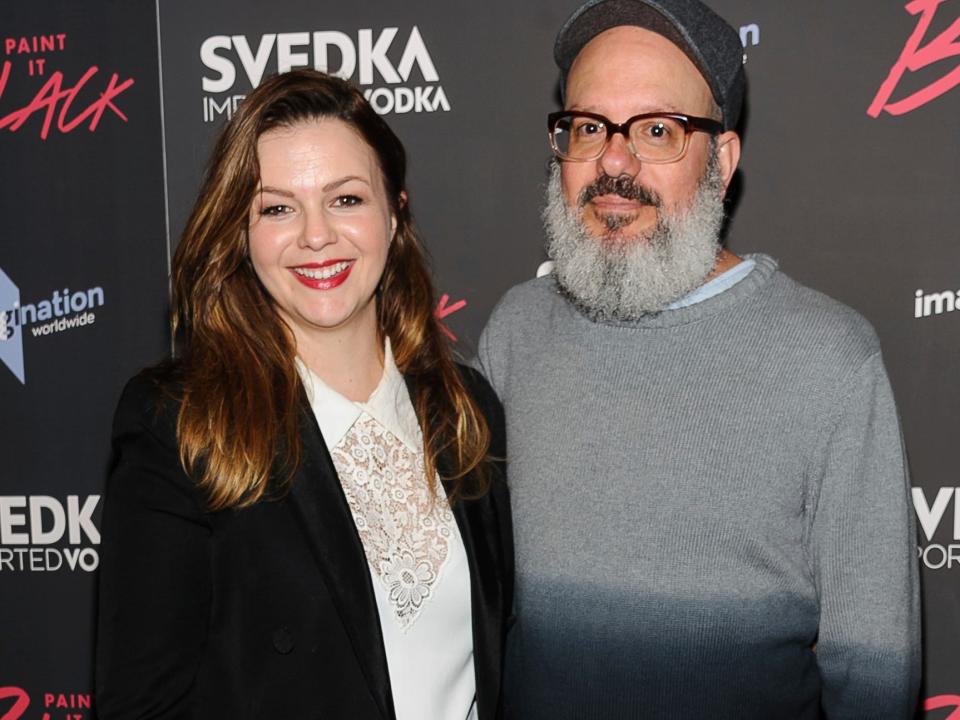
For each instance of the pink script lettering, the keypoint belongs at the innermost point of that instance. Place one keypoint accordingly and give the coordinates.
(21, 701)
(443, 310)
(944, 701)
(913, 58)
(49, 97)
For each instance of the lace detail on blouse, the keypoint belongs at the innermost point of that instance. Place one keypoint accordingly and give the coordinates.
(406, 535)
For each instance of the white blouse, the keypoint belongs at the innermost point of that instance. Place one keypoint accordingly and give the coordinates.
(415, 555)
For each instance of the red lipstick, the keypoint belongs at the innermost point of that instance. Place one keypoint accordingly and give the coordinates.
(327, 281)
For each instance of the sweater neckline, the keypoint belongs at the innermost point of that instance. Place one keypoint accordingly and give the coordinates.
(764, 269)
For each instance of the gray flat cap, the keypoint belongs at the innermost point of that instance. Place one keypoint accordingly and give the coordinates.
(705, 37)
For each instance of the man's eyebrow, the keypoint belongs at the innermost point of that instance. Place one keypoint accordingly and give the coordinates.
(668, 108)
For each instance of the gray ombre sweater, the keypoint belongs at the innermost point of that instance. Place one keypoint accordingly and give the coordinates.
(700, 498)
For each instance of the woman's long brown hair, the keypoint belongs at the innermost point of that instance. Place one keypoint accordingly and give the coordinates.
(239, 424)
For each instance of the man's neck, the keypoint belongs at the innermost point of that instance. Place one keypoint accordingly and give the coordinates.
(725, 261)
(727, 271)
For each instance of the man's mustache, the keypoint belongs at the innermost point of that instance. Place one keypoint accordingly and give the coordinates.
(624, 186)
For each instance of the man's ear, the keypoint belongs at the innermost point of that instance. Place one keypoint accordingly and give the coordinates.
(728, 155)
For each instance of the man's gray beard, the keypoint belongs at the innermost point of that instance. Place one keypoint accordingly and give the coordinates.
(623, 277)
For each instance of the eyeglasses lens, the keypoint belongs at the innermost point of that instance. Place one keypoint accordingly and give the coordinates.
(657, 139)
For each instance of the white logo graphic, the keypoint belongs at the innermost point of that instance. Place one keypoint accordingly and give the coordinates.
(374, 59)
(937, 303)
(936, 556)
(31, 524)
(749, 35)
(64, 310)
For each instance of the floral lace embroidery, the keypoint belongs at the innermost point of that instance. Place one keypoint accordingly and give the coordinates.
(405, 533)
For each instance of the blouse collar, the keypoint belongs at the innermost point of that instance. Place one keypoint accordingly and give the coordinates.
(389, 405)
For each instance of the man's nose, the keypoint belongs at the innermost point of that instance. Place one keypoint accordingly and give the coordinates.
(617, 158)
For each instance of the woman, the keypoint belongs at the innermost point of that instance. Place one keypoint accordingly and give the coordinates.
(277, 540)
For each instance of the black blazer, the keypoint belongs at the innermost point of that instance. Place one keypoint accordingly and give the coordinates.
(269, 611)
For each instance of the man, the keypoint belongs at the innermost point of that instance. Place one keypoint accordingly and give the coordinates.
(709, 486)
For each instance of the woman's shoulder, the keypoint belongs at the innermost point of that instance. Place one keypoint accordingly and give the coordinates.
(482, 392)
(476, 384)
(146, 474)
(150, 401)
(486, 398)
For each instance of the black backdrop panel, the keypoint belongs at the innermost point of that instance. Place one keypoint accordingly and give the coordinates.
(82, 250)
(849, 178)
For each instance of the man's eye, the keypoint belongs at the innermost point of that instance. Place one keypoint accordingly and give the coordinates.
(275, 210)
(657, 131)
(586, 129)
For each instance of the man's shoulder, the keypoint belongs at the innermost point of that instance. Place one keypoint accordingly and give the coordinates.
(536, 291)
(818, 322)
(518, 327)
(523, 304)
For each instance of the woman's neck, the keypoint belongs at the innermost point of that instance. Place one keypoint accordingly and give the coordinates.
(349, 360)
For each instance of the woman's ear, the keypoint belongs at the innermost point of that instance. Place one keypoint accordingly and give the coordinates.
(401, 204)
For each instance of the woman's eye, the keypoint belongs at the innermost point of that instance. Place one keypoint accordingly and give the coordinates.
(347, 201)
(275, 210)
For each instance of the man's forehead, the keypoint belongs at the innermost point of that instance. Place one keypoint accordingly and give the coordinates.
(634, 65)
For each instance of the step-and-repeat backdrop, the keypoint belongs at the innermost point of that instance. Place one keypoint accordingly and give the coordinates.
(850, 177)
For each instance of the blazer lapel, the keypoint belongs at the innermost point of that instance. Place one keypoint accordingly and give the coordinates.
(318, 497)
(479, 531)
(477, 527)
